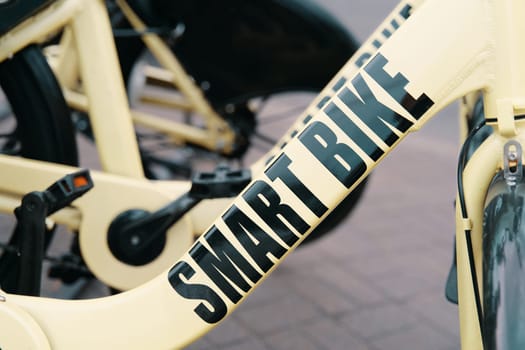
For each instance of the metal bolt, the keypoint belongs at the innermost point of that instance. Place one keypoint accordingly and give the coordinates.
(135, 240)
(513, 155)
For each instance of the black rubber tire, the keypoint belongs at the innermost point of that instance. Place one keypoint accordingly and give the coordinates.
(504, 267)
(240, 52)
(338, 215)
(131, 48)
(242, 49)
(44, 127)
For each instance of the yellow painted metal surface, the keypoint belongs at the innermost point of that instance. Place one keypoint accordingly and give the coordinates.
(418, 64)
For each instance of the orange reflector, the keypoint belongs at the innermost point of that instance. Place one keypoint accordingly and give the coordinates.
(80, 181)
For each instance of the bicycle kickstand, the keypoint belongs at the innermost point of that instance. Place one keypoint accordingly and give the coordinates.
(29, 234)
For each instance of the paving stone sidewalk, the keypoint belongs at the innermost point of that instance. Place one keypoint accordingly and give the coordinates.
(377, 282)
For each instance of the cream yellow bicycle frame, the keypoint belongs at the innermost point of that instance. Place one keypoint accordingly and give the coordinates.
(122, 186)
(446, 49)
(216, 135)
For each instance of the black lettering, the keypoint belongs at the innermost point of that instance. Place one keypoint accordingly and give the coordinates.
(323, 102)
(269, 160)
(363, 59)
(280, 170)
(396, 87)
(353, 131)
(198, 292)
(307, 119)
(224, 264)
(339, 84)
(394, 24)
(375, 114)
(256, 242)
(405, 12)
(338, 158)
(267, 204)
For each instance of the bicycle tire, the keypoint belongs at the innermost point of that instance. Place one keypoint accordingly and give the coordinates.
(43, 120)
(504, 266)
(330, 45)
(322, 61)
(43, 129)
(253, 51)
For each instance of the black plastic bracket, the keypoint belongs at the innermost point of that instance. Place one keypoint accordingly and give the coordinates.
(221, 183)
(29, 235)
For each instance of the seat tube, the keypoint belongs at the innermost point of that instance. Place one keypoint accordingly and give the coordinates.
(101, 78)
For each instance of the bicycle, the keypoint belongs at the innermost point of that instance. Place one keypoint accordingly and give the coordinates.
(119, 152)
(226, 116)
(285, 202)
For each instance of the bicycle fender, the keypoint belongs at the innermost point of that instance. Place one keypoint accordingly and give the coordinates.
(503, 264)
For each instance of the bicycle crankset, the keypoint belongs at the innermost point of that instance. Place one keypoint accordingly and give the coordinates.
(137, 237)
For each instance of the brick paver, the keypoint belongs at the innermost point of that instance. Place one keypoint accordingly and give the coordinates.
(377, 281)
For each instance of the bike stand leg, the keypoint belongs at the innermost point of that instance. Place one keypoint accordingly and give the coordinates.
(21, 264)
(31, 216)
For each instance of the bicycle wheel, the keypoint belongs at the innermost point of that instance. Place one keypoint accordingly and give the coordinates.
(269, 60)
(504, 266)
(40, 127)
(257, 80)
(37, 126)
(254, 56)
(258, 122)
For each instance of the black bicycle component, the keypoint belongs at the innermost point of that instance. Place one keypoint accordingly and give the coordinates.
(220, 184)
(504, 265)
(477, 117)
(43, 128)
(13, 12)
(462, 162)
(68, 268)
(137, 237)
(31, 216)
(28, 239)
(258, 47)
(175, 167)
(66, 190)
(451, 286)
(479, 132)
(243, 122)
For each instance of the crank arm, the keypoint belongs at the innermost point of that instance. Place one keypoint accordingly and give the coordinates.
(111, 196)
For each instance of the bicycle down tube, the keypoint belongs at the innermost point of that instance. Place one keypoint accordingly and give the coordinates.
(93, 216)
(397, 91)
